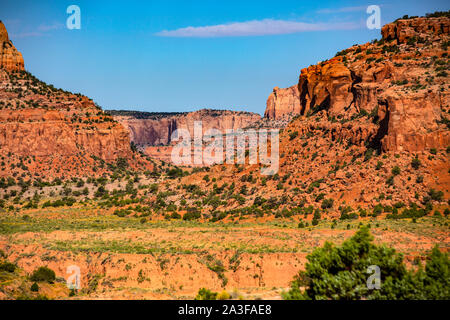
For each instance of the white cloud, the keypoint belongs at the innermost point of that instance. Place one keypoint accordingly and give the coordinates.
(40, 31)
(49, 27)
(25, 35)
(254, 28)
(343, 9)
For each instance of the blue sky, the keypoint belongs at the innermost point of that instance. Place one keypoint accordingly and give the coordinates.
(186, 55)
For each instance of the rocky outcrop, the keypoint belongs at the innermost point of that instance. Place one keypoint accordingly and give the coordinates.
(153, 131)
(283, 103)
(325, 86)
(56, 133)
(404, 29)
(10, 58)
(42, 133)
(398, 84)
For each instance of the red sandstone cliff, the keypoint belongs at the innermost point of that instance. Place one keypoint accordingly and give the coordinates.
(373, 129)
(10, 58)
(52, 132)
(283, 103)
(401, 80)
(158, 130)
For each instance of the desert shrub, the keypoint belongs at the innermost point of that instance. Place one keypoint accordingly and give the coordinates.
(415, 163)
(43, 274)
(122, 163)
(59, 203)
(192, 214)
(206, 294)
(7, 266)
(412, 212)
(435, 195)
(379, 165)
(122, 212)
(395, 170)
(316, 217)
(337, 273)
(362, 212)
(223, 296)
(293, 135)
(327, 203)
(175, 215)
(34, 287)
(175, 173)
(368, 154)
(377, 210)
(390, 180)
(347, 213)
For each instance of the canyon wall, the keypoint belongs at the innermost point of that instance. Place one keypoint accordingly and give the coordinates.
(400, 80)
(156, 131)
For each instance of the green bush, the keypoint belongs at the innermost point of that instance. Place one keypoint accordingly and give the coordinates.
(43, 274)
(435, 195)
(415, 163)
(341, 273)
(395, 170)
(293, 135)
(7, 266)
(34, 287)
(327, 203)
(205, 294)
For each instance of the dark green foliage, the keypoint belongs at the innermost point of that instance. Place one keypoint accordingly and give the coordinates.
(206, 294)
(327, 203)
(412, 212)
(192, 214)
(34, 287)
(59, 203)
(347, 213)
(395, 170)
(390, 181)
(122, 163)
(341, 273)
(379, 165)
(175, 173)
(293, 135)
(43, 274)
(7, 266)
(438, 14)
(316, 217)
(435, 195)
(415, 163)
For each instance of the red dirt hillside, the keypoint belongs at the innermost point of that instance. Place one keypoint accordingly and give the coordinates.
(372, 130)
(50, 132)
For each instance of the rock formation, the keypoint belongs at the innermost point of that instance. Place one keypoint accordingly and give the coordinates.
(400, 80)
(10, 58)
(282, 103)
(404, 29)
(372, 130)
(157, 129)
(48, 131)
